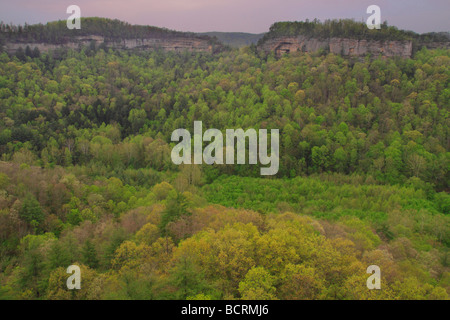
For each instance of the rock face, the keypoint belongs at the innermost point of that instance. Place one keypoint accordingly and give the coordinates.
(174, 44)
(352, 47)
(167, 44)
(341, 46)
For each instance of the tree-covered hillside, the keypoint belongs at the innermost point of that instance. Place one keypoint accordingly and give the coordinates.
(386, 118)
(112, 30)
(86, 176)
(346, 28)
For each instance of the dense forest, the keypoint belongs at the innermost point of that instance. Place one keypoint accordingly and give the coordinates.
(86, 176)
(347, 28)
(111, 30)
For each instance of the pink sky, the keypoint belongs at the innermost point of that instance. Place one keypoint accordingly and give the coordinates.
(253, 16)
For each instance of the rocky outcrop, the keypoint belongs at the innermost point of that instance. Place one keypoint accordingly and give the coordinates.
(341, 46)
(173, 44)
(167, 44)
(353, 47)
(292, 44)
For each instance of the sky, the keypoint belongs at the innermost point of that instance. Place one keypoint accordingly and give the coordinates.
(253, 16)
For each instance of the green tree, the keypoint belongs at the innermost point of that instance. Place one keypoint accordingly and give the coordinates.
(31, 211)
(89, 255)
(258, 284)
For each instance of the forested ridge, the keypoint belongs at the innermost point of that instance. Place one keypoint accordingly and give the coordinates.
(347, 28)
(86, 176)
(111, 29)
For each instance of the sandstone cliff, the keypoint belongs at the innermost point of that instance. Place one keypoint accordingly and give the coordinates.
(167, 44)
(341, 46)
